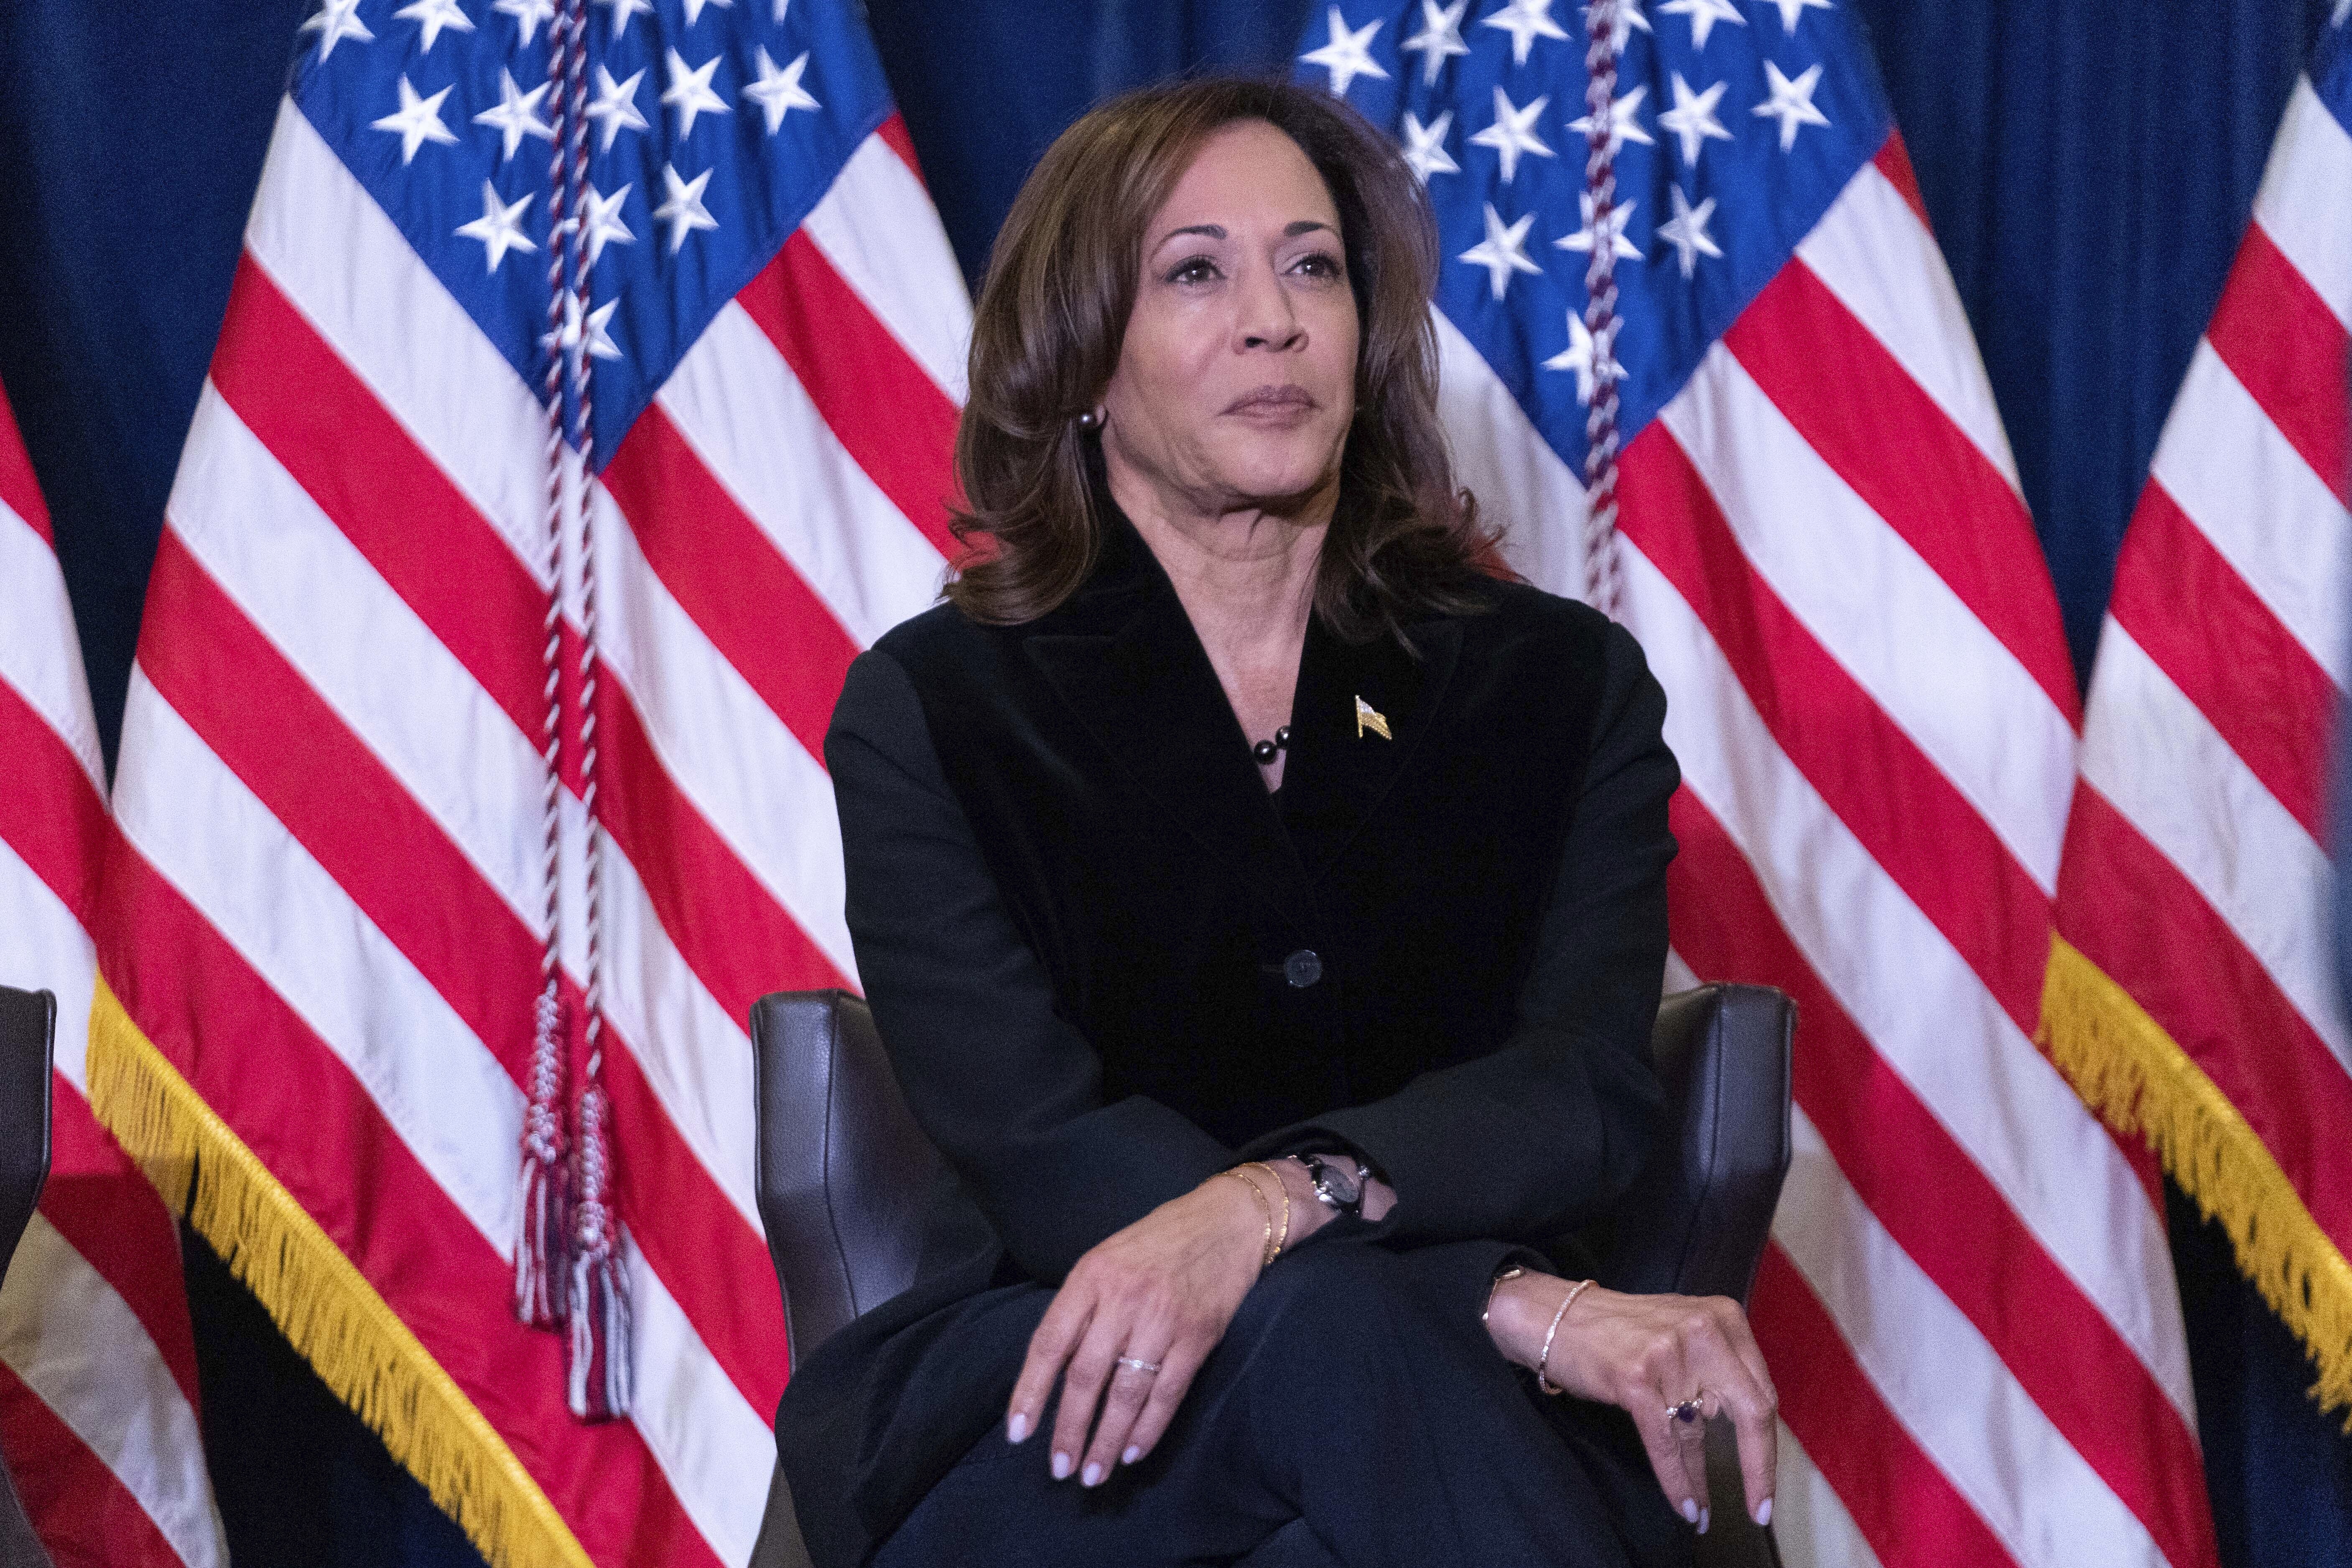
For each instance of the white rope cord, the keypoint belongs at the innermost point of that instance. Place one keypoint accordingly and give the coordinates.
(568, 1271)
(546, 1211)
(1601, 577)
(599, 1360)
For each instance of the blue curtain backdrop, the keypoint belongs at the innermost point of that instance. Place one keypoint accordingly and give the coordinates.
(2089, 167)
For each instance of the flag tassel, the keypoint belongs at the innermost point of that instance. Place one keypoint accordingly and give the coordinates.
(598, 1344)
(541, 1244)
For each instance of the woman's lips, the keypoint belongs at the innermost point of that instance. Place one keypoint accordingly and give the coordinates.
(1272, 403)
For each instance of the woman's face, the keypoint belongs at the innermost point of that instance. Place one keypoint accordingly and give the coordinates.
(1236, 382)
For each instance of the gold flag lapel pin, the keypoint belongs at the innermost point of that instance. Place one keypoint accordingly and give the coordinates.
(1369, 718)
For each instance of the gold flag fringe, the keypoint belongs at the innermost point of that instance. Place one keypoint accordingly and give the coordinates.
(323, 1303)
(2133, 1074)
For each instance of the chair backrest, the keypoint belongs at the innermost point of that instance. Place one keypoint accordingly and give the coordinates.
(844, 1169)
(28, 1026)
(29, 1022)
(1695, 1221)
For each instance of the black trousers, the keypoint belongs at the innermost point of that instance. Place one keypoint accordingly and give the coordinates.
(1355, 1415)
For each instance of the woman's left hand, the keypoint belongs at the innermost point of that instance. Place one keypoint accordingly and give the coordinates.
(1648, 1354)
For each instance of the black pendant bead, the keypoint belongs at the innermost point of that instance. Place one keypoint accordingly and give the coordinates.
(1282, 737)
(1264, 752)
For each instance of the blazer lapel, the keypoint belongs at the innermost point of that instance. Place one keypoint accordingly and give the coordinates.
(1133, 670)
(1340, 766)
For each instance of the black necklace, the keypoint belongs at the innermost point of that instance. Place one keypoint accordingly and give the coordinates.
(1265, 750)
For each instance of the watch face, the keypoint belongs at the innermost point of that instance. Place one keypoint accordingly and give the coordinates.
(1338, 1180)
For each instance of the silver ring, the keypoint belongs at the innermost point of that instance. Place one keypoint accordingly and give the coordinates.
(1689, 1411)
(1138, 1365)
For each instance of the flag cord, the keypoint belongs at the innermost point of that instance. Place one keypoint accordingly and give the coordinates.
(569, 1273)
(1601, 320)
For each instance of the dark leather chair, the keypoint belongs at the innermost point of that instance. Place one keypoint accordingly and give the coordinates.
(28, 1025)
(845, 1172)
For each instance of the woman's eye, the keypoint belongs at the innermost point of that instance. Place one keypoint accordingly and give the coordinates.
(1320, 264)
(1199, 269)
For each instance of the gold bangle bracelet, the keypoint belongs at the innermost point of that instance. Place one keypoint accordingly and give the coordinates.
(1513, 1272)
(1543, 1378)
(1259, 1193)
(1275, 1177)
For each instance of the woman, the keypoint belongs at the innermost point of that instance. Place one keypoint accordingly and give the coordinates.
(1264, 911)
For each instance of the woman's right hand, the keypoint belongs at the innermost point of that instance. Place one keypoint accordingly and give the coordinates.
(1646, 1355)
(1162, 1291)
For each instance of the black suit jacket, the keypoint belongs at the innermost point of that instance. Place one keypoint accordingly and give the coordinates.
(1081, 921)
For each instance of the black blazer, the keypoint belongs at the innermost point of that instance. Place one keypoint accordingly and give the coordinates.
(1106, 964)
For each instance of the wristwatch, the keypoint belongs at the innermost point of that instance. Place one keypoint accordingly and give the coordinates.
(1340, 1186)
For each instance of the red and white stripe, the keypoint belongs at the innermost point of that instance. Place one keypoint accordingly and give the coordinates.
(2197, 873)
(329, 916)
(97, 1371)
(1967, 1303)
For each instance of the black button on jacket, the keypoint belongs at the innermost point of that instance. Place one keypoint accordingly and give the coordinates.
(1081, 921)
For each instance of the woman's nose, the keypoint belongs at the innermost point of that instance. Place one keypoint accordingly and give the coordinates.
(1268, 320)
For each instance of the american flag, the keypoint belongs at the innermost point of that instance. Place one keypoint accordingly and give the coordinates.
(321, 942)
(1968, 1301)
(2193, 995)
(97, 1367)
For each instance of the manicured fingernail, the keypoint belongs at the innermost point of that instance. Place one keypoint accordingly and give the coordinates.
(1016, 1429)
(1135, 1452)
(1704, 1515)
(1764, 1512)
(1091, 1476)
(1061, 1467)
(1690, 1508)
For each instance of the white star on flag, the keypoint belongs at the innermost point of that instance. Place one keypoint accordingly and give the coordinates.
(779, 92)
(615, 109)
(1686, 230)
(516, 116)
(693, 9)
(500, 228)
(1704, 15)
(1692, 118)
(1510, 134)
(1424, 146)
(1792, 102)
(567, 338)
(1349, 54)
(1623, 126)
(1504, 250)
(684, 211)
(417, 120)
(604, 221)
(690, 92)
(433, 16)
(1440, 37)
(528, 14)
(624, 9)
(1620, 214)
(1578, 357)
(334, 21)
(1792, 9)
(1629, 17)
(1525, 21)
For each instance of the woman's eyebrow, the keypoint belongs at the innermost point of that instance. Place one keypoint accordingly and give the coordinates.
(1217, 231)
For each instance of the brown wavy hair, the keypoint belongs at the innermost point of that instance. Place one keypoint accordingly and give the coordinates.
(1404, 541)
